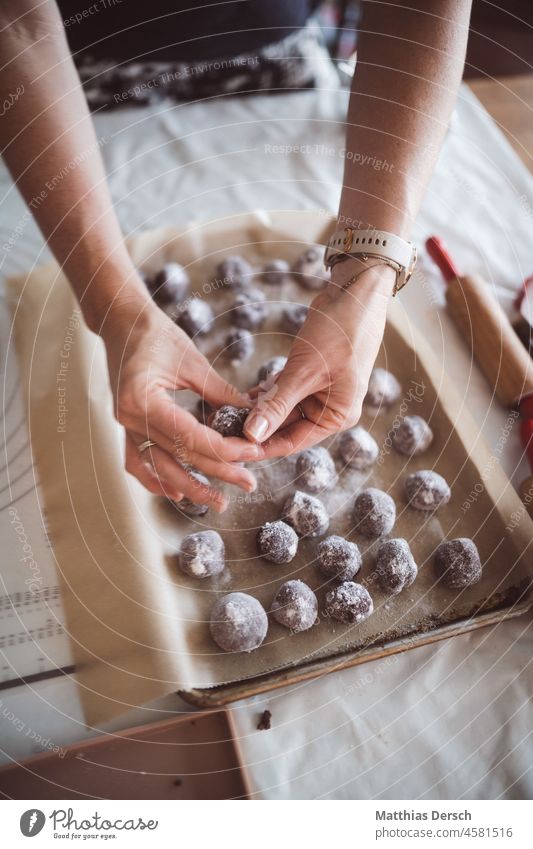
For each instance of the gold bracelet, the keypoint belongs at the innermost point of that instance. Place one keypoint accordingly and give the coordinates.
(367, 268)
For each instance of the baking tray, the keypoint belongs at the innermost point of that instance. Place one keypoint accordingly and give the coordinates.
(195, 756)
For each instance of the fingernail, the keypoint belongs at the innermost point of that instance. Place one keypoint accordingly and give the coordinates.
(220, 506)
(256, 428)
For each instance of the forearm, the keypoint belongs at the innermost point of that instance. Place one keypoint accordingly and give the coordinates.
(50, 147)
(409, 67)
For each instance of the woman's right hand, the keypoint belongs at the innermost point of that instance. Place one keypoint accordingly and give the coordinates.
(148, 357)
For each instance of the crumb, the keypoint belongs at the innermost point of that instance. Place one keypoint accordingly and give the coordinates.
(178, 782)
(265, 723)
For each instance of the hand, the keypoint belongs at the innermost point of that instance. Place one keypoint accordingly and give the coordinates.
(329, 364)
(149, 356)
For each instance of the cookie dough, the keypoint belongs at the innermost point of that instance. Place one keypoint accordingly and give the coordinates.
(238, 622)
(395, 566)
(349, 603)
(315, 469)
(338, 558)
(458, 563)
(202, 554)
(306, 514)
(277, 542)
(383, 388)
(229, 420)
(358, 448)
(295, 606)
(426, 490)
(412, 436)
(374, 512)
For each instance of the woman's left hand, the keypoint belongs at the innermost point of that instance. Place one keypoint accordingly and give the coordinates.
(329, 365)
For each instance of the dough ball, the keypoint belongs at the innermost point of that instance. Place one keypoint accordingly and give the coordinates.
(309, 271)
(458, 562)
(350, 603)
(426, 490)
(271, 368)
(187, 505)
(229, 420)
(295, 606)
(395, 566)
(293, 317)
(412, 436)
(170, 285)
(383, 388)
(250, 310)
(235, 272)
(306, 514)
(315, 469)
(276, 272)
(338, 558)
(277, 542)
(195, 317)
(202, 554)
(358, 448)
(203, 411)
(238, 622)
(374, 512)
(240, 346)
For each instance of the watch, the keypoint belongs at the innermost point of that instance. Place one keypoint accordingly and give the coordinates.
(378, 244)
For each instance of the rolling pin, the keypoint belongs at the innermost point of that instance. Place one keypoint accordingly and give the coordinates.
(495, 346)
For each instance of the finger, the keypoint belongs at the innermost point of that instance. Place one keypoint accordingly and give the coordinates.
(208, 383)
(228, 472)
(180, 480)
(274, 406)
(297, 436)
(145, 473)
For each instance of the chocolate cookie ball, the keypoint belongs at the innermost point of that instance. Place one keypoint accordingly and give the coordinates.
(349, 603)
(277, 542)
(426, 490)
(412, 436)
(188, 505)
(170, 285)
(458, 563)
(374, 512)
(315, 469)
(295, 606)
(250, 310)
(195, 317)
(240, 346)
(306, 514)
(383, 389)
(271, 368)
(238, 622)
(309, 271)
(338, 558)
(229, 420)
(202, 554)
(293, 318)
(235, 272)
(395, 566)
(358, 448)
(276, 272)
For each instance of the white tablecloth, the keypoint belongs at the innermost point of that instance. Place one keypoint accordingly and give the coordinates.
(446, 721)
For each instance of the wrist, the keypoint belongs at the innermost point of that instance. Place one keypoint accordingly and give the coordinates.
(111, 300)
(379, 278)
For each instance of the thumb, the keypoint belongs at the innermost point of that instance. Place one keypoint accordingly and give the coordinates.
(211, 386)
(275, 403)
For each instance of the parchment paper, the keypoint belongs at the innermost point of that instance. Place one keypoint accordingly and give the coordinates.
(137, 624)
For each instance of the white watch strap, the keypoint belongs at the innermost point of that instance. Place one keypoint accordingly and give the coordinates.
(372, 243)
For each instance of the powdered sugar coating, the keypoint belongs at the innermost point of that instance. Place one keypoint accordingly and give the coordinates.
(338, 558)
(374, 512)
(250, 310)
(412, 436)
(234, 271)
(350, 603)
(458, 562)
(358, 448)
(187, 505)
(269, 369)
(240, 346)
(275, 272)
(426, 490)
(306, 514)
(229, 420)
(202, 554)
(238, 622)
(383, 388)
(315, 469)
(277, 542)
(309, 271)
(395, 566)
(170, 285)
(295, 606)
(293, 318)
(195, 317)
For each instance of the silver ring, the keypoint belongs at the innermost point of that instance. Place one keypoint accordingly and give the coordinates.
(144, 445)
(301, 411)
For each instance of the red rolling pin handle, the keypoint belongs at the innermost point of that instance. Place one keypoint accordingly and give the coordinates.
(441, 258)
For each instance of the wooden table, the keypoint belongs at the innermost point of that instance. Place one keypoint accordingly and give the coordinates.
(509, 100)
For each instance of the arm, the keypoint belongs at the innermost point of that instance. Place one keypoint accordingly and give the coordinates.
(409, 67)
(43, 133)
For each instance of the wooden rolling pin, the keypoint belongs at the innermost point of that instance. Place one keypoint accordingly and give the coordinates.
(494, 344)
